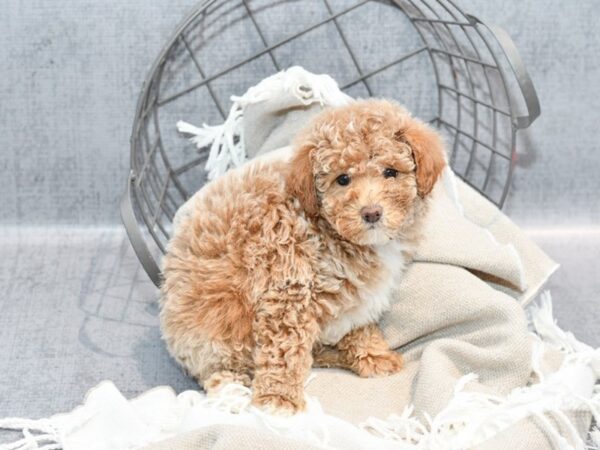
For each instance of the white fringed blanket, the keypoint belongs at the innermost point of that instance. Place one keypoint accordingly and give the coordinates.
(479, 372)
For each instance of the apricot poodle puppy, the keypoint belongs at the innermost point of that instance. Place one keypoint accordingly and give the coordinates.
(280, 265)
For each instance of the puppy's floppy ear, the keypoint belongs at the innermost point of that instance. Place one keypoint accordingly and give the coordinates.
(428, 153)
(300, 180)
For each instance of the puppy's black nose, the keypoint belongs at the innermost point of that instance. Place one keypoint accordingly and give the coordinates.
(371, 214)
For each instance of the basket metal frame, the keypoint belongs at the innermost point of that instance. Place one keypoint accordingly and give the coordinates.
(146, 182)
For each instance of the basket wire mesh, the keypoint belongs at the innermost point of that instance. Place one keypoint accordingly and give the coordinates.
(447, 67)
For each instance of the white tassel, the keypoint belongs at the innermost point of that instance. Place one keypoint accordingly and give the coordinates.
(202, 137)
(49, 438)
(227, 140)
(545, 326)
(404, 427)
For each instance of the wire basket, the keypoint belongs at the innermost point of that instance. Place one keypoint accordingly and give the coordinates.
(447, 67)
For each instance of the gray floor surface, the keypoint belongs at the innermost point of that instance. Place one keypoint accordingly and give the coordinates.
(78, 309)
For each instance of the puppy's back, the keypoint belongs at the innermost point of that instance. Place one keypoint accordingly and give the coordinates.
(217, 258)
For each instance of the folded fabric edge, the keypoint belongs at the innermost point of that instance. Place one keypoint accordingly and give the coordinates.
(449, 182)
(534, 291)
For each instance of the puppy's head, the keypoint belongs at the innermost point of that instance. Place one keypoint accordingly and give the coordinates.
(364, 168)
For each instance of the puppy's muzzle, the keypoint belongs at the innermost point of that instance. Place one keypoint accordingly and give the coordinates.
(371, 214)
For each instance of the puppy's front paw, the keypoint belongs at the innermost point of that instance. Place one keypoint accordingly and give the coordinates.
(379, 365)
(279, 405)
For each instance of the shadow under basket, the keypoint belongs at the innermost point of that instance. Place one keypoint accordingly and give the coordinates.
(447, 67)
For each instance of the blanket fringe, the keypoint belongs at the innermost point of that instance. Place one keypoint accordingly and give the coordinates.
(227, 140)
(235, 398)
(48, 437)
(471, 418)
(545, 326)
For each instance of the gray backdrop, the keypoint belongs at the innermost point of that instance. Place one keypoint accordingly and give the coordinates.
(72, 71)
(76, 308)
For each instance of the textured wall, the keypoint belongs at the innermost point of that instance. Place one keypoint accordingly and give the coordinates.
(71, 72)
(557, 178)
(70, 76)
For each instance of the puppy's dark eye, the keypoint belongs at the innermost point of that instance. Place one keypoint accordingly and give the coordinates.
(343, 180)
(390, 173)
